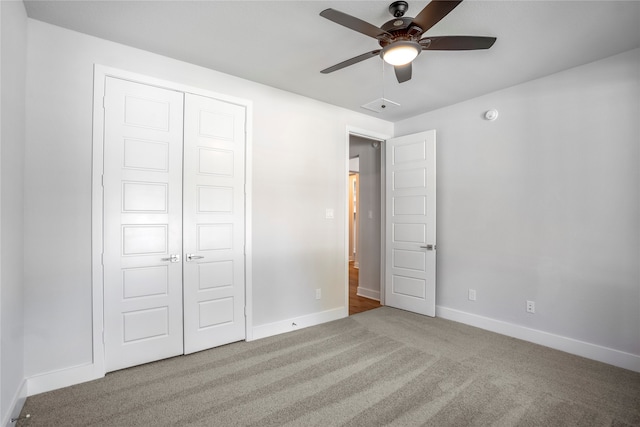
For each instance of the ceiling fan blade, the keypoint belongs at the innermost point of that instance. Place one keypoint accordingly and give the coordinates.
(351, 61)
(403, 72)
(355, 24)
(456, 43)
(434, 12)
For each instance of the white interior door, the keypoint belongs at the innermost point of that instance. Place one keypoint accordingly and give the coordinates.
(214, 281)
(410, 282)
(142, 223)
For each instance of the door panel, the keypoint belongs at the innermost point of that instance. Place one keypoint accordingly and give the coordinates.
(410, 281)
(213, 223)
(142, 223)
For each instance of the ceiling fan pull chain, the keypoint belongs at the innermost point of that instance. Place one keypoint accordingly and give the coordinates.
(383, 100)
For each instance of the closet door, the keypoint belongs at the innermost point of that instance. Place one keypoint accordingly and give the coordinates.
(142, 256)
(214, 214)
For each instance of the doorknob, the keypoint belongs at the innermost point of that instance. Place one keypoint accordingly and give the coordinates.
(172, 258)
(429, 247)
(191, 257)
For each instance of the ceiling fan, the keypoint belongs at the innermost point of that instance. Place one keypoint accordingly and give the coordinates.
(400, 38)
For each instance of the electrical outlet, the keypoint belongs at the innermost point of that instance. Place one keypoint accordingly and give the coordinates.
(318, 293)
(472, 294)
(531, 306)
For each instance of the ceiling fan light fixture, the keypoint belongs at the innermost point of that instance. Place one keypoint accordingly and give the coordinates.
(400, 52)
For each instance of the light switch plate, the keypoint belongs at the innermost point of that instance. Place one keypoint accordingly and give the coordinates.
(329, 214)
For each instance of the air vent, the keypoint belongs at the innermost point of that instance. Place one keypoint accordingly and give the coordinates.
(380, 105)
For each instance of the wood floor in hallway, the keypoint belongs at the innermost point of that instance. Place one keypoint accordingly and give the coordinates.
(358, 304)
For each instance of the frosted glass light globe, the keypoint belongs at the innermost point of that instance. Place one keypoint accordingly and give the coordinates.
(401, 53)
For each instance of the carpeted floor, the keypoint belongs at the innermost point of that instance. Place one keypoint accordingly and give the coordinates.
(381, 367)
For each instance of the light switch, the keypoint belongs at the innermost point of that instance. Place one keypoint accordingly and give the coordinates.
(329, 213)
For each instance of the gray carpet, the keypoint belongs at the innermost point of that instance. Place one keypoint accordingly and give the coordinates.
(381, 367)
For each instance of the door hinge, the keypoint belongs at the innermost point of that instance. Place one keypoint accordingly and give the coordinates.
(103, 342)
(102, 181)
(102, 259)
(104, 102)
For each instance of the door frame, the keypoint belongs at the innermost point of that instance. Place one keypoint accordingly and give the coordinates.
(375, 136)
(101, 72)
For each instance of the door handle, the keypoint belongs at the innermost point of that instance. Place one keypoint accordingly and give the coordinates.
(172, 258)
(191, 257)
(429, 247)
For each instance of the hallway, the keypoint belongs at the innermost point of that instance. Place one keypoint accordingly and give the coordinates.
(358, 304)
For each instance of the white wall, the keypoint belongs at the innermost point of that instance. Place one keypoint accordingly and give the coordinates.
(354, 164)
(13, 48)
(368, 245)
(543, 204)
(299, 170)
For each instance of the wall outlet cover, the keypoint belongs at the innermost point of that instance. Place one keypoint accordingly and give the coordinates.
(531, 307)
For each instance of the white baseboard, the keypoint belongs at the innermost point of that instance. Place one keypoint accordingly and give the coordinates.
(15, 407)
(288, 325)
(78, 374)
(62, 378)
(368, 293)
(558, 342)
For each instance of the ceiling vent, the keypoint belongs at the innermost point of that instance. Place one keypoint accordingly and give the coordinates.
(380, 105)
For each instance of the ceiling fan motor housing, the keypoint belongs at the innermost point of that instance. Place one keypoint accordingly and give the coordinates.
(400, 29)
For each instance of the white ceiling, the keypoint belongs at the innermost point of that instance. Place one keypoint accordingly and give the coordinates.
(285, 44)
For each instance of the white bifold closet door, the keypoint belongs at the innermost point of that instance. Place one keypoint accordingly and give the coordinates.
(173, 223)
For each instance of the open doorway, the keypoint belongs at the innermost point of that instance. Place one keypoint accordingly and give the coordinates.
(365, 216)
